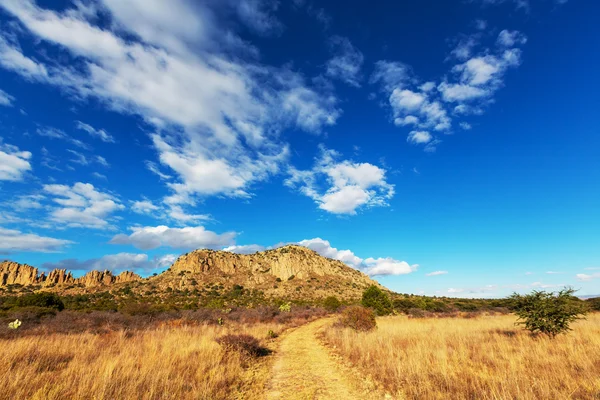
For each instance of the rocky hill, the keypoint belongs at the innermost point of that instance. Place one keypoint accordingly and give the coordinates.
(292, 271)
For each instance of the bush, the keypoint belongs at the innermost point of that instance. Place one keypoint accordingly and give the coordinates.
(44, 300)
(332, 304)
(376, 299)
(246, 345)
(548, 313)
(358, 318)
(594, 303)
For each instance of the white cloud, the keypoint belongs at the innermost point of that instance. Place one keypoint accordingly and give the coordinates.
(139, 263)
(458, 92)
(184, 72)
(350, 185)
(587, 277)
(149, 237)
(245, 249)
(6, 99)
(81, 205)
(388, 266)
(464, 47)
(12, 241)
(13, 59)
(391, 75)
(419, 137)
(370, 266)
(143, 207)
(508, 38)
(437, 273)
(466, 126)
(54, 133)
(324, 248)
(14, 163)
(99, 133)
(346, 62)
(152, 167)
(470, 85)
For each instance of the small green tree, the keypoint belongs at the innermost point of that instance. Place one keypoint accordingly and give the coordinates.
(546, 312)
(376, 299)
(332, 303)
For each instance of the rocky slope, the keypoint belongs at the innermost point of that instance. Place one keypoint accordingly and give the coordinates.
(287, 272)
(14, 273)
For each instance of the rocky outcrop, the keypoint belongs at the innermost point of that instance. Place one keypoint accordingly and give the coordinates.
(14, 273)
(283, 263)
(104, 278)
(58, 277)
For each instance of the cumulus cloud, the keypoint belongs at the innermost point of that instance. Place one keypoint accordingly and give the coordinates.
(419, 137)
(12, 241)
(349, 186)
(14, 163)
(81, 205)
(370, 266)
(116, 263)
(346, 62)
(146, 238)
(184, 71)
(144, 207)
(467, 89)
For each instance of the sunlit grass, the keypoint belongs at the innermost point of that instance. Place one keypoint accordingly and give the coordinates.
(478, 358)
(169, 362)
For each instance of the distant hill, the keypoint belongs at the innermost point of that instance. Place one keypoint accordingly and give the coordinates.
(292, 272)
(593, 296)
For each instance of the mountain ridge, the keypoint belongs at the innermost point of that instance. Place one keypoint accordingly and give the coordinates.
(291, 271)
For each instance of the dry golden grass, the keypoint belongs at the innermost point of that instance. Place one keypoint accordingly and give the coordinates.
(169, 362)
(479, 358)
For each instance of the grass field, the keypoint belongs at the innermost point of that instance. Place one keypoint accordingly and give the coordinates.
(486, 357)
(169, 361)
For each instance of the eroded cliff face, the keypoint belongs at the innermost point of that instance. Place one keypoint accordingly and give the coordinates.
(23, 274)
(282, 263)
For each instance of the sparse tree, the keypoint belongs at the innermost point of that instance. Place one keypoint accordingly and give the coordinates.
(332, 304)
(376, 299)
(546, 312)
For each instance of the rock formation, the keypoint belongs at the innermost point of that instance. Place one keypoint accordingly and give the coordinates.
(286, 262)
(14, 273)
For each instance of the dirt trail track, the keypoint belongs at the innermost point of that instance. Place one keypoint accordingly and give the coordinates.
(304, 369)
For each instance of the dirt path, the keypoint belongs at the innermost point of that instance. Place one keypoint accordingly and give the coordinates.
(304, 369)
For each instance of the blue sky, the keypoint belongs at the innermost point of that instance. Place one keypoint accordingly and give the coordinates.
(442, 147)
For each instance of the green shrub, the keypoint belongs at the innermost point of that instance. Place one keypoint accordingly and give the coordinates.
(376, 299)
(358, 318)
(594, 303)
(285, 307)
(548, 313)
(332, 304)
(44, 300)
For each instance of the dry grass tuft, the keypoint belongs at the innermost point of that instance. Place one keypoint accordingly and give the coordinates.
(486, 357)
